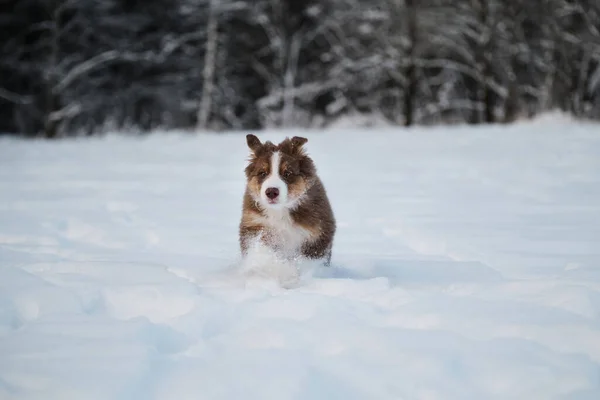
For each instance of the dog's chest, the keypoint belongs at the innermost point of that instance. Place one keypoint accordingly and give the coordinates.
(284, 232)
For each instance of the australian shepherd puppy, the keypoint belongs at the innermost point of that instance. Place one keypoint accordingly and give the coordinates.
(285, 204)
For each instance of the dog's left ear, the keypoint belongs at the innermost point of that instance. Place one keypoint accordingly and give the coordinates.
(298, 142)
(253, 142)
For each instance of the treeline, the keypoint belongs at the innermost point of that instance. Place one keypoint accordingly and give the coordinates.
(83, 66)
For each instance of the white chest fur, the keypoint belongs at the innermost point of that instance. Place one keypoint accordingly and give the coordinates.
(284, 233)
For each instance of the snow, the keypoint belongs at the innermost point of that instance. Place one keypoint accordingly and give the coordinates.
(466, 266)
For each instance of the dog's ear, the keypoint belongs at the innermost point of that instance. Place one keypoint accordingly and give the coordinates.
(298, 142)
(253, 142)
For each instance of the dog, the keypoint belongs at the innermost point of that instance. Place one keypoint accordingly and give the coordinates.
(285, 204)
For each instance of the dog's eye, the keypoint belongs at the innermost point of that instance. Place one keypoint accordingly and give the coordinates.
(287, 173)
(262, 174)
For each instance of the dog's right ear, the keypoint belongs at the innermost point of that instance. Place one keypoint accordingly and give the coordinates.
(253, 142)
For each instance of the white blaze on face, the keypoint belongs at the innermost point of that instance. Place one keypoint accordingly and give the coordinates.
(274, 181)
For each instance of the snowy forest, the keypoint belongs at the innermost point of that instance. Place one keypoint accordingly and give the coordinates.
(72, 67)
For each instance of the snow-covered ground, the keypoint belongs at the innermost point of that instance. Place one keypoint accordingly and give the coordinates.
(466, 266)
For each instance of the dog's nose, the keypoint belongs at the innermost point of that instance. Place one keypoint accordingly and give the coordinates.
(272, 193)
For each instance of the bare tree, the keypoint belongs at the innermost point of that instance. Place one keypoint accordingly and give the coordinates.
(210, 64)
(411, 76)
(487, 22)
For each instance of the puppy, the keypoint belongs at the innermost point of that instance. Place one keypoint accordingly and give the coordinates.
(285, 205)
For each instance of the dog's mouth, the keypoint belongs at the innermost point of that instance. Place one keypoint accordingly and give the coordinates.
(275, 203)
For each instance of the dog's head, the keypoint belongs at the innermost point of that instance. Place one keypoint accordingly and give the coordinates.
(279, 176)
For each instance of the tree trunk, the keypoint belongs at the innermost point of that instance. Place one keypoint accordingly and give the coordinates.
(51, 124)
(208, 74)
(511, 104)
(51, 99)
(484, 60)
(289, 81)
(411, 86)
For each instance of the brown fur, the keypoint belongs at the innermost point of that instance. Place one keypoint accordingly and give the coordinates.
(312, 212)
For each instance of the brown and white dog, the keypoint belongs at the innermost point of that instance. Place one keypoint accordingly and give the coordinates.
(285, 204)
